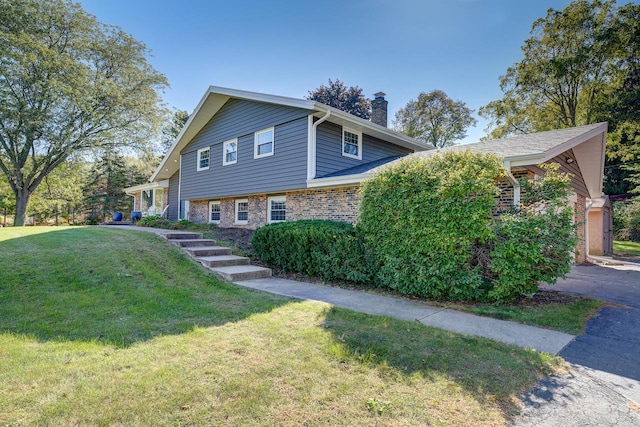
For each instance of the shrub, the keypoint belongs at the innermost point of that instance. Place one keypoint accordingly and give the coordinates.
(429, 223)
(535, 243)
(424, 216)
(326, 249)
(626, 220)
(154, 221)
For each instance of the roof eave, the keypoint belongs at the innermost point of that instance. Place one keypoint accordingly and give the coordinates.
(338, 181)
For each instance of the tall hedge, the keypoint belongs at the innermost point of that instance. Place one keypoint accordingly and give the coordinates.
(423, 217)
(430, 223)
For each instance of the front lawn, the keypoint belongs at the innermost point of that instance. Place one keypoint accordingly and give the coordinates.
(104, 326)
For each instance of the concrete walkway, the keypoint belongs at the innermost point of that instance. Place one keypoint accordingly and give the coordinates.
(543, 340)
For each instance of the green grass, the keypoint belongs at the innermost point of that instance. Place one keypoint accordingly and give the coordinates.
(104, 326)
(570, 317)
(626, 248)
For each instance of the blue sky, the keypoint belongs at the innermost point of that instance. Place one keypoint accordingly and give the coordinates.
(287, 47)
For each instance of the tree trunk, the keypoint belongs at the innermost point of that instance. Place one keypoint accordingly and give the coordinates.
(22, 200)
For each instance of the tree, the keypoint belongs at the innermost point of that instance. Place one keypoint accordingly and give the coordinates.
(566, 66)
(435, 119)
(171, 130)
(621, 105)
(61, 192)
(349, 99)
(68, 83)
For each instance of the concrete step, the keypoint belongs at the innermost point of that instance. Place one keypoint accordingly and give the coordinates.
(179, 235)
(238, 273)
(190, 243)
(223, 260)
(201, 251)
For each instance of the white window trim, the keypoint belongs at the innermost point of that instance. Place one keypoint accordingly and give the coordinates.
(198, 159)
(255, 143)
(214, 202)
(276, 199)
(224, 152)
(237, 221)
(359, 156)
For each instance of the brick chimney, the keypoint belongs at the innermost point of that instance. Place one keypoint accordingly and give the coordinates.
(379, 109)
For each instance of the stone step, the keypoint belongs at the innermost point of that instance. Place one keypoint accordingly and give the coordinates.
(180, 235)
(201, 251)
(190, 243)
(238, 273)
(223, 260)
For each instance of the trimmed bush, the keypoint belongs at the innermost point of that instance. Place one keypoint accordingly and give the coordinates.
(326, 249)
(430, 223)
(423, 218)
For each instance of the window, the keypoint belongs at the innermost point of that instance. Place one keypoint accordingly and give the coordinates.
(214, 212)
(152, 201)
(230, 152)
(242, 211)
(352, 144)
(277, 209)
(263, 143)
(203, 158)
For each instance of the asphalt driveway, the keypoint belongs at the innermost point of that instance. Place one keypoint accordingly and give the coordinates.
(605, 388)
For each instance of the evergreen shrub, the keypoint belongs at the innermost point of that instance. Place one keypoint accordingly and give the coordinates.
(326, 249)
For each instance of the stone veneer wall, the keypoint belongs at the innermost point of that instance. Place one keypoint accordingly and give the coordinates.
(335, 204)
(505, 199)
(580, 209)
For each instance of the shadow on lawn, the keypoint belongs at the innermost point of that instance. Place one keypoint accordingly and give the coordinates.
(489, 370)
(111, 286)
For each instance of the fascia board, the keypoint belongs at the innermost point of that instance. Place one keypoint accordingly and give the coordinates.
(573, 142)
(337, 181)
(148, 186)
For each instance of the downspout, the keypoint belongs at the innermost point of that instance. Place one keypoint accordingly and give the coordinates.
(514, 182)
(311, 157)
(179, 188)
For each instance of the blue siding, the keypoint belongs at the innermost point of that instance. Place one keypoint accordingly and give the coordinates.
(285, 170)
(172, 212)
(329, 156)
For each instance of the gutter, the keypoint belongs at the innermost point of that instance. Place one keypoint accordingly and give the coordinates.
(514, 182)
(311, 155)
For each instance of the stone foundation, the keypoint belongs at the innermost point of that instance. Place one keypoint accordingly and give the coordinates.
(334, 204)
(580, 209)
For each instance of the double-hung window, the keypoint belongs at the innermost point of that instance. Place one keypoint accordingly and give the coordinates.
(242, 211)
(263, 143)
(203, 158)
(277, 209)
(214, 212)
(352, 143)
(230, 152)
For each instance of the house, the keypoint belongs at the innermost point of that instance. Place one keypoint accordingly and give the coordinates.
(246, 159)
